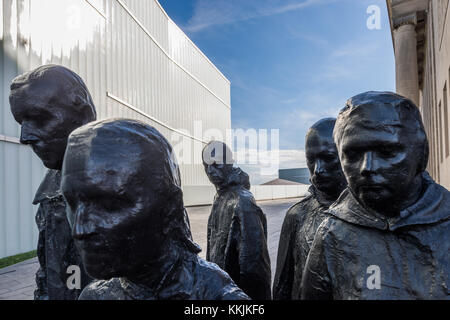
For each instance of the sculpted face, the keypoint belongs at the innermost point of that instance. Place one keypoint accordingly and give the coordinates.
(323, 160)
(379, 156)
(116, 201)
(217, 173)
(44, 109)
(217, 161)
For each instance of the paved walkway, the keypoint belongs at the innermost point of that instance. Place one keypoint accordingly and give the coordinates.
(17, 281)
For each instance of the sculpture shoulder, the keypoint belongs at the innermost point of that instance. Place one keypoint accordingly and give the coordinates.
(298, 210)
(235, 203)
(445, 201)
(246, 199)
(103, 290)
(243, 196)
(234, 197)
(245, 204)
(333, 228)
(216, 283)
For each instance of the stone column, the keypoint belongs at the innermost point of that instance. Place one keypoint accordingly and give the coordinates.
(406, 68)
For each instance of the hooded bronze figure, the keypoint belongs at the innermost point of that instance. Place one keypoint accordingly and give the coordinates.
(388, 237)
(122, 185)
(49, 103)
(237, 227)
(302, 219)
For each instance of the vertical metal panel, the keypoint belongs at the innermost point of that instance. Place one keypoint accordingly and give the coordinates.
(17, 182)
(2, 21)
(33, 35)
(114, 50)
(3, 225)
(174, 93)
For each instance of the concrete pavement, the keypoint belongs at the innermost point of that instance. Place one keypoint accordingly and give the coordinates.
(17, 281)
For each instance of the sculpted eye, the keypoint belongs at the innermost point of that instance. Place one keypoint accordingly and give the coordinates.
(351, 154)
(387, 152)
(40, 116)
(331, 157)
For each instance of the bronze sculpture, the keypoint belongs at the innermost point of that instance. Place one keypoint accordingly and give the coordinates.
(302, 219)
(237, 227)
(122, 185)
(49, 103)
(388, 237)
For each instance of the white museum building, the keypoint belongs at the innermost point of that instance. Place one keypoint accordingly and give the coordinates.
(136, 63)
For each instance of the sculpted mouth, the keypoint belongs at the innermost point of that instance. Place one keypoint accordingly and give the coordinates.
(323, 179)
(91, 243)
(372, 187)
(92, 249)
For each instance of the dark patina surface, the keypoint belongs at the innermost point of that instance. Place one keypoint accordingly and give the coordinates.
(237, 227)
(49, 103)
(303, 219)
(125, 207)
(392, 218)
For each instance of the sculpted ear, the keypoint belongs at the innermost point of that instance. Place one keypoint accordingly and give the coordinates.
(77, 100)
(424, 151)
(86, 112)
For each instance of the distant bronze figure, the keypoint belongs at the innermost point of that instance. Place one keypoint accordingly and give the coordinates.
(389, 236)
(237, 227)
(302, 219)
(49, 103)
(125, 207)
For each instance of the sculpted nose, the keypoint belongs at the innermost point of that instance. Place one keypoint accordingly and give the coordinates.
(26, 135)
(367, 166)
(319, 167)
(82, 226)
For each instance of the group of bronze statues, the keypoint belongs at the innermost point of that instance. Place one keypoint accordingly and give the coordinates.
(375, 225)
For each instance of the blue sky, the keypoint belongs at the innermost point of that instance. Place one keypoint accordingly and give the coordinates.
(290, 62)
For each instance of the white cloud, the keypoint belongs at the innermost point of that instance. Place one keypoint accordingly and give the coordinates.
(347, 61)
(314, 106)
(209, 13)
(354, 50)
(314, 39)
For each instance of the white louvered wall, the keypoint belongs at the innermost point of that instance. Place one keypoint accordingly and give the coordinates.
(136, 63)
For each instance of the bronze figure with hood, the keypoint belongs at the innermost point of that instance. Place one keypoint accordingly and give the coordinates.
(237, 227)
(49, 103)
(302, 219)
(388, 236)
(122, 185)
